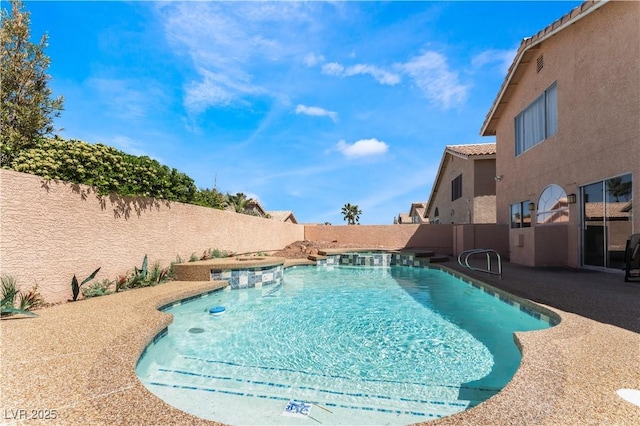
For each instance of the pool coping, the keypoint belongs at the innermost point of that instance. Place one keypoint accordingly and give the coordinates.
(82, 365)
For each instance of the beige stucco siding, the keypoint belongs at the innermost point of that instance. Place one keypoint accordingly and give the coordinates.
(477, 204)
(595, 64)
(484, 188)
(456, 211)
(52, 231)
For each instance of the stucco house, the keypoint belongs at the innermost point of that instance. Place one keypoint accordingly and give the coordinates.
(282, 216)
(567, 127)
(464, 191)
(416, 215)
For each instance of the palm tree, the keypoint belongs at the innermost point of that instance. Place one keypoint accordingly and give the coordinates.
(238, 202)
(351, 213)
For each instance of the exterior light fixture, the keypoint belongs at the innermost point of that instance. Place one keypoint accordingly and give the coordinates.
(498, 178)
(531, 206)
(571, 198)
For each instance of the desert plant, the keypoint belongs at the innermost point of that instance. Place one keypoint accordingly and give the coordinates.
(98, 288)
(158, 274)
(193, 258)
(26, 301)
(143, 271)
(216, 253)
(75, 287)
(144, 277)
(30, 300)
(121, 283)
(171, 274)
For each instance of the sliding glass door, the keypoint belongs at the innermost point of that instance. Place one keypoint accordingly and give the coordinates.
(607, 221)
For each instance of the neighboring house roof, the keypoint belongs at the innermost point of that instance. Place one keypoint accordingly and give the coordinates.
(283, 216)
(252, 207)
(615, 210)
(404, 218)
(418, 209)
(525, 54)
(476, 151)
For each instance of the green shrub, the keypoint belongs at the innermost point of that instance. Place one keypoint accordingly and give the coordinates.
(144, 277)
(98, 288)
(75, 287)
(106, 168)
(26, 301)
(214, 254)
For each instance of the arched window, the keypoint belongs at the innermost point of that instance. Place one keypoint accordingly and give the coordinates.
(552, 206)
(436, 216)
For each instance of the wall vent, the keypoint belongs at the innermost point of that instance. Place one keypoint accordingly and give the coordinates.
(539, 63)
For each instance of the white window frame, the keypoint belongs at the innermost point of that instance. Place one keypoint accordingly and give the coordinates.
(538, 121)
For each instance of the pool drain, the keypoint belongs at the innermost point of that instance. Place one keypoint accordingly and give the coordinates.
(196, 330)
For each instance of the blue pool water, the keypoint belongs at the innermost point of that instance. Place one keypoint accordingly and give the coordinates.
(357, 345)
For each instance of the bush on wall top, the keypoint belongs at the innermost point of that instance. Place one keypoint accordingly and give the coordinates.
(106, 168)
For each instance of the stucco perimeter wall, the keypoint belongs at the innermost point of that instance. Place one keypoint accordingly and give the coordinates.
(433, 237)
(50, 232)
(481, 236)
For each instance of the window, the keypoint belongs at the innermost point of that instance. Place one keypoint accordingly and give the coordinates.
(436, 216)
(520, 215)
(538, 121)
(456, 188)
(552, 206)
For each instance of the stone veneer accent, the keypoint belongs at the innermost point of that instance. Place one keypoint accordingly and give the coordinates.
(375, 259)
(249, 277)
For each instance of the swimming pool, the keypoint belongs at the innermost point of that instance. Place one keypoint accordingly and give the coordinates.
(359, 345)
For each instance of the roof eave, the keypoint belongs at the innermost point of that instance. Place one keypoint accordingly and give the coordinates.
(527, 44)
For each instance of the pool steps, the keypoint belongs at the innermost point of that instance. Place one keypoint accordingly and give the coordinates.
(420, 401)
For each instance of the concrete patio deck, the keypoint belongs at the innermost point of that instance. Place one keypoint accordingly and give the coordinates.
(77, 359)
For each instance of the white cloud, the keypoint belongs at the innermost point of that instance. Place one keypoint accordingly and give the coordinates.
(380, 75)
(503, 58)
(311, 59)
(316, 112)
(362, 148)
(125, 99)
(432, 75)
(216, 89)
(333, 68)
(230, 44)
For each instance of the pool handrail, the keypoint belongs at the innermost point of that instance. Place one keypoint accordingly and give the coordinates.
(488, 252)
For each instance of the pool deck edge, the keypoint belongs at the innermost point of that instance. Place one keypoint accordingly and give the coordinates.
(79, 360)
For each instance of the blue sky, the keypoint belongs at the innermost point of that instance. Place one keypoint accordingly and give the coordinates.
(305, 106)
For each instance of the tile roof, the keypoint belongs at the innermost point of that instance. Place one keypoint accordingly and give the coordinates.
(615, 210)
(473, 149)
(466, 151)
(282, 215)
(405, 218)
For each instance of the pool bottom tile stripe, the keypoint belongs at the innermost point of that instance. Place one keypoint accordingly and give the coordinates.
(333, 376)
(314, 389)
(280, 398)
